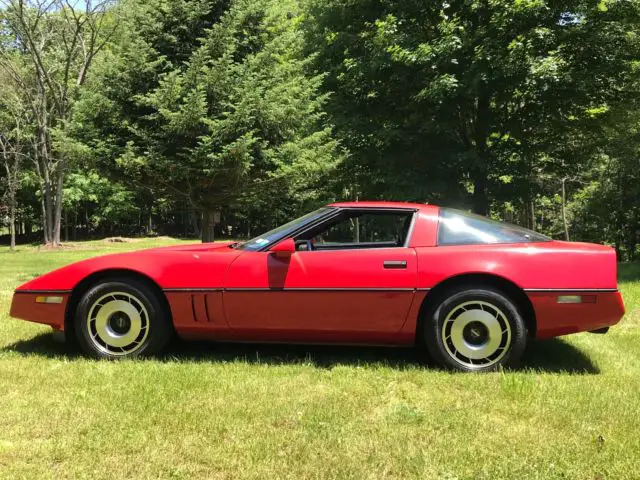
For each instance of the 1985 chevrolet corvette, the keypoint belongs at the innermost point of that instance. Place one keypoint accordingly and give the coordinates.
(470, 290)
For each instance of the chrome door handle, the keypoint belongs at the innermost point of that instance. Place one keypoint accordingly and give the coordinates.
(395, 264)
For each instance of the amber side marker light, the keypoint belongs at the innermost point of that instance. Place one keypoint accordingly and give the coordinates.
(48, 299)
(576, 299)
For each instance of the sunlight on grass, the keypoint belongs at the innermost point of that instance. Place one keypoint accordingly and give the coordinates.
(240, 411)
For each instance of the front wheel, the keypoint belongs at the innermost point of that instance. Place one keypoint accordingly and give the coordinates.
(475, 329)
(121, 319)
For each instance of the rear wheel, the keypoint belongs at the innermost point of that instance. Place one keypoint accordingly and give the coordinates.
(475, 329)
(121, 319)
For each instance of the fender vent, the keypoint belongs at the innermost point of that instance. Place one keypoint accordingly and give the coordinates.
(200, 308)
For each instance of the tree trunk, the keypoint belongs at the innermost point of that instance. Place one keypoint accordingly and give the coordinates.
(533, 214)
(184, 218)
(193, 218)
(208, 224)
(480, 201)
(480, 169)
(66, 226)
(49, 212)
(564, 210)
(43, 168)
(12, 220)
(45, 218)
(12, 189)
(57, 205)
(44, 200)
(632, 237)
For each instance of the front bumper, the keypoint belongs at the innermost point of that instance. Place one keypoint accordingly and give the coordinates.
(554, 319)
(25, 307)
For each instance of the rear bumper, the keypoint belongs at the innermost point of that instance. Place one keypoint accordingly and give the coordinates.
(25, 307)
(554, 319)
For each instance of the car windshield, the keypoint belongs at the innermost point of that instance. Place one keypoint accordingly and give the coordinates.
(462, 228)
(282, 231)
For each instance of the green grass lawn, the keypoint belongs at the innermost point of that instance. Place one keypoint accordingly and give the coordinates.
(240, 411)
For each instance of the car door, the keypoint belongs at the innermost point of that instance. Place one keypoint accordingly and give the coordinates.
(335, 290)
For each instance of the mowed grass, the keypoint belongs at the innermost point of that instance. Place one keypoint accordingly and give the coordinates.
(239, 411)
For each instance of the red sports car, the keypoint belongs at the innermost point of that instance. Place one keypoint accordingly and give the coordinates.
(470, 290)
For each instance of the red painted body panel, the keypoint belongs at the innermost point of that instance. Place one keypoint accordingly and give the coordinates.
(324, 269)
(333, 305)
(24, 306)
(425, 228)
(304, 315)
(318, 311)
(189, 266)
(561, 319)
(344, 296)
(546, 265)
(196, 312)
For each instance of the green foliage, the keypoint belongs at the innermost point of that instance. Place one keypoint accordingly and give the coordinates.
(108, 202)
(607, 206)
(474, 103)
(524, 110)
(236, 118)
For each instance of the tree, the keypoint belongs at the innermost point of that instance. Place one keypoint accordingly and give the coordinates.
(239, 117)
(156, 115)
(15, 138)
(470, 101)
(58, 43)
(606, 205)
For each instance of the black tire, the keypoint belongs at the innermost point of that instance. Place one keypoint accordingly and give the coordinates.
(475, 332)
(151, 328)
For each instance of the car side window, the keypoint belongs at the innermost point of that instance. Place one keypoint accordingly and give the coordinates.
(355, 230)
(462, 228)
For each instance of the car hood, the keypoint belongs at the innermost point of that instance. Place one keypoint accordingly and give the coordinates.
(191, 247)
(198, 266)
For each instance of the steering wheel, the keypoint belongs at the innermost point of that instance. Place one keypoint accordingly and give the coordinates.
(308, 244)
